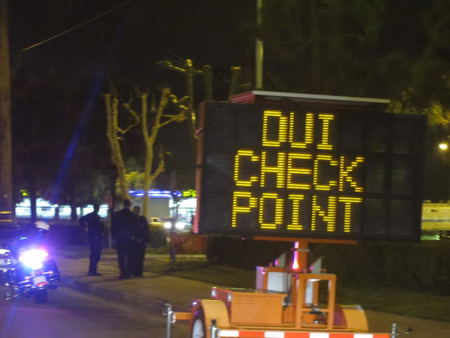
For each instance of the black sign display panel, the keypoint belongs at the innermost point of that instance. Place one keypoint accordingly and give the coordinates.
(270, 170)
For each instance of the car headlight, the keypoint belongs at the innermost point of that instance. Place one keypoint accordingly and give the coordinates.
(180, 225)
(33, 258)
(167, 225)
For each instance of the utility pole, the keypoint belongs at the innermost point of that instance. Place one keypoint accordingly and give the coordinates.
(189, 71)
(259, 47)
(234, 82)
(208, 82)
(315, 50)
(6, 200)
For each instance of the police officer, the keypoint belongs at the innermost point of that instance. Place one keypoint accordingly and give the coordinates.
(123, 225)
(95, 230)
(141, 237)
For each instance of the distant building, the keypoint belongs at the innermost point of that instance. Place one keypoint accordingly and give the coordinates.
(435, 216)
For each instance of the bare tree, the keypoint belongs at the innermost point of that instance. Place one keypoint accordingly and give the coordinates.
(114, 133)
(150, 126)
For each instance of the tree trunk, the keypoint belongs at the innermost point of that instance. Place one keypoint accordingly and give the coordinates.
(113, 192)
(56, 217)
(150, 139)
(73, 207)
(33, 198)
(147, 182)
(73, 213)
(116, 151)
(6, 195)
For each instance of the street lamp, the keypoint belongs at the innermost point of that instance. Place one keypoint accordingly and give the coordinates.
(443, 146)
(445, 158)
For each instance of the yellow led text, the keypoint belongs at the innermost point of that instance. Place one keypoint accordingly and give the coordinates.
(244, 203)
(296, 174)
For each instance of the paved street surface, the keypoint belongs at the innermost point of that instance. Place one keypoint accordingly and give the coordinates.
(73, 314)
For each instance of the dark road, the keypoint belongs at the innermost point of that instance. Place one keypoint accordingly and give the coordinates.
(72, 314)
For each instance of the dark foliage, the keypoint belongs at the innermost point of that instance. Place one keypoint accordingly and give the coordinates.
(244, 253)
(414, 266)
(158, 237)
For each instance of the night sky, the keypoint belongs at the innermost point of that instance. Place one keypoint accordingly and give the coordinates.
(127, 42)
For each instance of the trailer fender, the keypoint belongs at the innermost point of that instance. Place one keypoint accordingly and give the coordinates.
(214, 309)
(355, 317)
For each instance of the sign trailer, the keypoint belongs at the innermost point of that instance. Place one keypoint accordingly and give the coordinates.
(322, 169)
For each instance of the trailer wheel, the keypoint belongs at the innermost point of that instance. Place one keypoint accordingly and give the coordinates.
(198, 325)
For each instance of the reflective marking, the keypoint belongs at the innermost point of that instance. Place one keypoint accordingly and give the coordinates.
(274, 334)
(319, 335)
(229, 333)
(280, 334)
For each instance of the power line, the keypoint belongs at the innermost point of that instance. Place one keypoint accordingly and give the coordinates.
(76, 26)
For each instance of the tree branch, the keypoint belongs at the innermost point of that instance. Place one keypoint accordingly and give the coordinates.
(135, 115)
(161, 165)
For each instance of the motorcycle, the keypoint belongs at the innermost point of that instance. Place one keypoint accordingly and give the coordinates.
(27, 270)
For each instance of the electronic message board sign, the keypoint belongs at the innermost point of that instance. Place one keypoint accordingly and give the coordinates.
(269, 170)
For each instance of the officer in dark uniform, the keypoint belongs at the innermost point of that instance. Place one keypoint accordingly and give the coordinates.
(141, 237)
(95, 230)
(124, 223)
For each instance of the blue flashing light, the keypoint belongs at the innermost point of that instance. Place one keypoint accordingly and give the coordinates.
(176, 193)
(152, 193)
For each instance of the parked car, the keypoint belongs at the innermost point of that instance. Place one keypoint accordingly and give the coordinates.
(156, 221)
(181, 225)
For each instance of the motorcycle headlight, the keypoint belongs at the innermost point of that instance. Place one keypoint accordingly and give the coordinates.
(33, 258)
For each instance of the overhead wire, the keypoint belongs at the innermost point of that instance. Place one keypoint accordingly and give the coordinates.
(98, 16)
